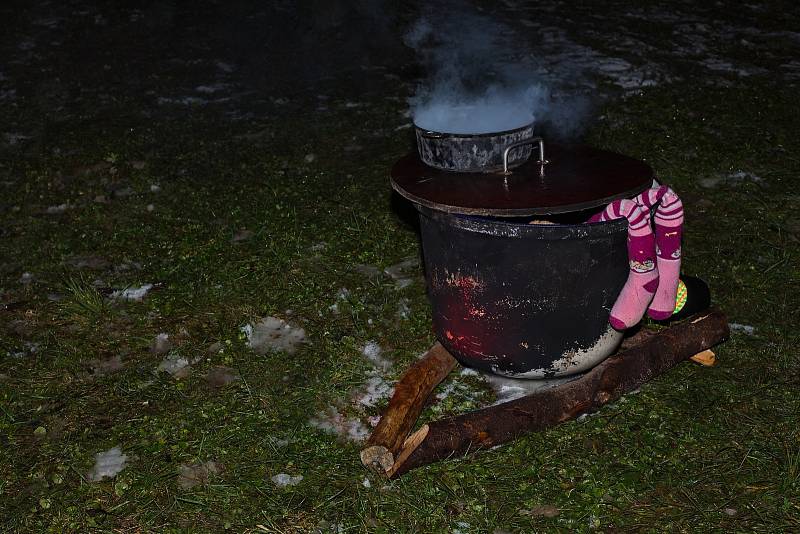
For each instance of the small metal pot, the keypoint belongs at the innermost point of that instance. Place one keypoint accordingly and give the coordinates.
(473, 152)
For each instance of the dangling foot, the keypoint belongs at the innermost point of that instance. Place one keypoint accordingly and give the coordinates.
(668, 230)
(643, 276)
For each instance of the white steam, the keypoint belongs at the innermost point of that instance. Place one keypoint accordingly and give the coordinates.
(497, 110)
(480, 78)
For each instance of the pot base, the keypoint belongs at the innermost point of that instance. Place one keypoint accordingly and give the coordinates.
(574, 361)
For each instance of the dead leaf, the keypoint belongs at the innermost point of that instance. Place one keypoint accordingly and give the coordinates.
(542, 510)
(191, 475)
(220, 376)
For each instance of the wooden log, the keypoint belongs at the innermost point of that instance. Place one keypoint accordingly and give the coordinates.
(617, 375)
(410, 395)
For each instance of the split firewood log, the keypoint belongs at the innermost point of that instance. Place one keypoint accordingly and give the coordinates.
(410, 395)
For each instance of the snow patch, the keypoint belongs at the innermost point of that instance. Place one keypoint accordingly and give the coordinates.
(743, 328)
(48, 22)
(734, 178)
(13, 138)
(347, 428)
(55, 210)
(161, 344)
(342, 295)
(183, 101)
(282, 480)
(132, 293)
(375, 390)
(242, 234)
(211, 89)
(507, 389)
(280, 443)
(273, 334)
(403, 272)
(174, 364)
(721, 65)
(372, 352)
(367, 270)
(107, 464)
(403, 309)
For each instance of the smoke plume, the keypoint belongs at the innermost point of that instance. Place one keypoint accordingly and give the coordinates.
(481, 77)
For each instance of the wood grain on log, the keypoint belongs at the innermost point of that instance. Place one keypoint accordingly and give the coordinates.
(410, 394)
(619, 374)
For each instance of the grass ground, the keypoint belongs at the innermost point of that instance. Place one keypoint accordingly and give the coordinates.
(243, 223)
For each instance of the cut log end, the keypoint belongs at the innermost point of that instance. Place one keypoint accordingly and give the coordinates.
(377, 459)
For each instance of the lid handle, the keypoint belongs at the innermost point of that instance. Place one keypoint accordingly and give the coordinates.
(542, 161)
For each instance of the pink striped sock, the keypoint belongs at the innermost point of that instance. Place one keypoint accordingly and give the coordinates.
(642, 280)
(668, 230)
(651, 197)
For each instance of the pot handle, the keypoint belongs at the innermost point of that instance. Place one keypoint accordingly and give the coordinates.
(542, 161)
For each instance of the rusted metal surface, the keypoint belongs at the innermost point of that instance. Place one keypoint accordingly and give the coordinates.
(576, 178)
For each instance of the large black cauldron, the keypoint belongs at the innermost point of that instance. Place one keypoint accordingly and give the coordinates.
(527, 300)
(523, 299)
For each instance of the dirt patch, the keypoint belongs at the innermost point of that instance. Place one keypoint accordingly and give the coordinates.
(221, 376)
(105, 366)
(191, 475)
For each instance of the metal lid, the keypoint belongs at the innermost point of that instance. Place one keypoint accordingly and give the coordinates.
(575, 178)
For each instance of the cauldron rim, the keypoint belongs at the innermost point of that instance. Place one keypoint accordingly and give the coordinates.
(506, 228)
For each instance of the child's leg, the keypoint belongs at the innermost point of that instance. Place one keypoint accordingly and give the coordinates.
(643, 276)
(668, 230)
